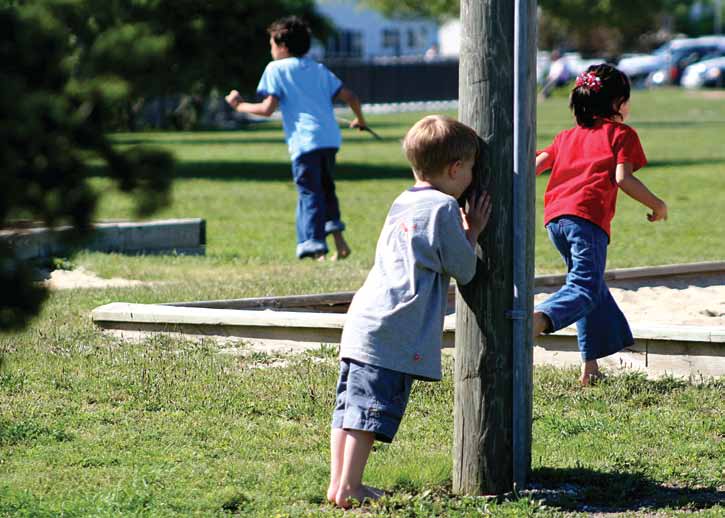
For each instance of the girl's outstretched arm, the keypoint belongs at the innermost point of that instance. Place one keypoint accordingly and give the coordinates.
(634, 188)
(543, 162)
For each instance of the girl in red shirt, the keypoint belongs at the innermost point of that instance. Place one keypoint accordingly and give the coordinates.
(589, 164)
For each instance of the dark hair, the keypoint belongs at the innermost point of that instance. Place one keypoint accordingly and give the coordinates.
(590, 103)
(293, 33)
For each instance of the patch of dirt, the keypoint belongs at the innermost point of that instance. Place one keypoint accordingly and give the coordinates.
(82, 278)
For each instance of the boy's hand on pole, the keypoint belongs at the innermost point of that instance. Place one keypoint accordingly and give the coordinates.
(478, 213)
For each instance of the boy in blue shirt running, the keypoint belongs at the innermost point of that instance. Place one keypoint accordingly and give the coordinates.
(304, 90)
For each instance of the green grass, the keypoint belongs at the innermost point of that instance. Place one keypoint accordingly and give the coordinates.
(93, 427)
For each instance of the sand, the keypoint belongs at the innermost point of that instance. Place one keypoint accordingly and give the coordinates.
(683, 301)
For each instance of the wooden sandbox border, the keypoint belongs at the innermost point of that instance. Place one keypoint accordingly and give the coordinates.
(308, 320)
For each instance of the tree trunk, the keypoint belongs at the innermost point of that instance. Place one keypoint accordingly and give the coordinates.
(483, 423)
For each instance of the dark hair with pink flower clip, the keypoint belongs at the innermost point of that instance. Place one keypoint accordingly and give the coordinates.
(598, 93)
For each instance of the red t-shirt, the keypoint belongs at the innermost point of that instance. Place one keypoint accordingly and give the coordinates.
(584, 162)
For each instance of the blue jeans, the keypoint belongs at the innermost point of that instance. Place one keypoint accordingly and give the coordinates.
(585, 299)
(318, 212)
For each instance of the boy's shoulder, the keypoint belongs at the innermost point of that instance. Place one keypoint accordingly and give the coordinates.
(426, 194)
(294, 63)
(431, 201)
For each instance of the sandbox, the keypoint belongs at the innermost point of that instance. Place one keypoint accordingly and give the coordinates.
(677, 313)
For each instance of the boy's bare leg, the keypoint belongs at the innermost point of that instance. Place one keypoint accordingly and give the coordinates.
(357, 449)
(541, 323)
(337, 454)
(590, 373)
(343, 249)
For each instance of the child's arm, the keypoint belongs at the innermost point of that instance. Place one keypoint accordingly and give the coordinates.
(543, 162)
(634, 188)
(264, 108)
(476, 217)
(349, 97)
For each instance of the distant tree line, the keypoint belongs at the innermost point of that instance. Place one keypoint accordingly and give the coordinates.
(591, 26)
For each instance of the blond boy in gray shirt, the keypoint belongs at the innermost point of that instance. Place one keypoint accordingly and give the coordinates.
(393, 330)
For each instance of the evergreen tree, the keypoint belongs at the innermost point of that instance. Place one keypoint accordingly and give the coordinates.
(51, 121)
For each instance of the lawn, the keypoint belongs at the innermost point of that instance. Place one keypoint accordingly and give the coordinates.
(93, 427)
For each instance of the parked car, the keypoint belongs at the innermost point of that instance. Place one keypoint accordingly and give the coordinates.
(665, 65)
(706, 73)
(577, 64)
(681, 58)
(639, 66)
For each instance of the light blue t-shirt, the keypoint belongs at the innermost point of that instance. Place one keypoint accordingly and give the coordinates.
(305, 90)
(395, 319)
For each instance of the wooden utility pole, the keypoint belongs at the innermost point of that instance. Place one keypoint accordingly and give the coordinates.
(490, 416)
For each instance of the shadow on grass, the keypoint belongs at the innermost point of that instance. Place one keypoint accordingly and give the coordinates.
(686, 162)
(676, 124)
(236, 141)
(271, 172)
(593, 491)
(246, 139)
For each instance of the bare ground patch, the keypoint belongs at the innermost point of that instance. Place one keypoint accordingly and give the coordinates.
(82, 278)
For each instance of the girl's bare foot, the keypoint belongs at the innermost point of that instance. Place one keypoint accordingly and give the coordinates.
(541, 323)
(590, 373)
(319, 257)
(346, 496)
(343, 249)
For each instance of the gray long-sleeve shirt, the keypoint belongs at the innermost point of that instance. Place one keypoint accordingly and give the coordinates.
(395, 320)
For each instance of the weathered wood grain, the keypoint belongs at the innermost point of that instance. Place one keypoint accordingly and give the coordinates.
(482, 444)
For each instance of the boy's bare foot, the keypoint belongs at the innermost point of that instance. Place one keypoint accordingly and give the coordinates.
(343, 249)
(346, 496)
(331, 493)
(319, 257)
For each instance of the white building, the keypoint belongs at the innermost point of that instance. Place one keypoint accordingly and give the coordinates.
(364, 33)
(449, 38)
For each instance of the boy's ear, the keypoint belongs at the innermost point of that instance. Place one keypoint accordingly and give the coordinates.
(481, 178)
(453, 168)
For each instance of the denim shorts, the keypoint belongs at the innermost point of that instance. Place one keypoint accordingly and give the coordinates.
(371, 399)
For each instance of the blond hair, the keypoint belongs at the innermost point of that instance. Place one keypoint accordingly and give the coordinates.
(436, 141)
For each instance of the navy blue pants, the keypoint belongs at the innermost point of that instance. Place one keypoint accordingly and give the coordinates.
(602, 328)
(318, 212)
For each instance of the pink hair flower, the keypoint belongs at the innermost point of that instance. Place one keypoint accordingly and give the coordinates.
(590, 80)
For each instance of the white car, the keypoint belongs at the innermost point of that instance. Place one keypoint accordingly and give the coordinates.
(663, 65)
(710, 72)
